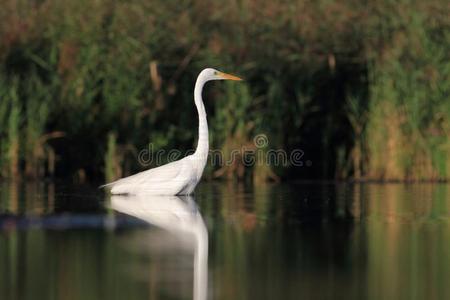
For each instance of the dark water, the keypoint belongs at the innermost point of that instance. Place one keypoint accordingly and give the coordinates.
(304, 241)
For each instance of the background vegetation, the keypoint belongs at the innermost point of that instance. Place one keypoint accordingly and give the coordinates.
(361, 87)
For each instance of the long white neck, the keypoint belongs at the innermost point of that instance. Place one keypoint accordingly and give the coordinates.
(203, 140)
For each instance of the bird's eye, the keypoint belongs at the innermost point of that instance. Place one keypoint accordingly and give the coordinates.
(215, 72)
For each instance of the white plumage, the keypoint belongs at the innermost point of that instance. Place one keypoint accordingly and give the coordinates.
(182, 176)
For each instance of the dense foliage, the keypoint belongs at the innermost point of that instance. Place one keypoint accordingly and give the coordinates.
(361, 87)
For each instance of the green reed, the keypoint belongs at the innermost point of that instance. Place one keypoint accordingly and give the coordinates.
(361, 88)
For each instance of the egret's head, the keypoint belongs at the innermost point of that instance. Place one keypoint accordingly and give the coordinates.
(212, 74)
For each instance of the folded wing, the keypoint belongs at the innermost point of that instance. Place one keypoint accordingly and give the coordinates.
(165, 180)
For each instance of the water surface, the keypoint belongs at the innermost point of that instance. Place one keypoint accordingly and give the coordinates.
(229, 241)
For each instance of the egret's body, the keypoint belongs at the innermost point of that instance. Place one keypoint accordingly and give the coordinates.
(182, 176)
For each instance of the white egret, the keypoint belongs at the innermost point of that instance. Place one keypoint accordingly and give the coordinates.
(178, 177)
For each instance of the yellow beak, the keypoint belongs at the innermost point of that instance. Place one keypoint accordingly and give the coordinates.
(228, 76)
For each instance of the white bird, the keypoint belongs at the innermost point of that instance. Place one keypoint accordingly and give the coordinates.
(180, 217)
(182, 176)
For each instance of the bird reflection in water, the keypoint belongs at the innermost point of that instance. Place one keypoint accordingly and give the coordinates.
(178, 215)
